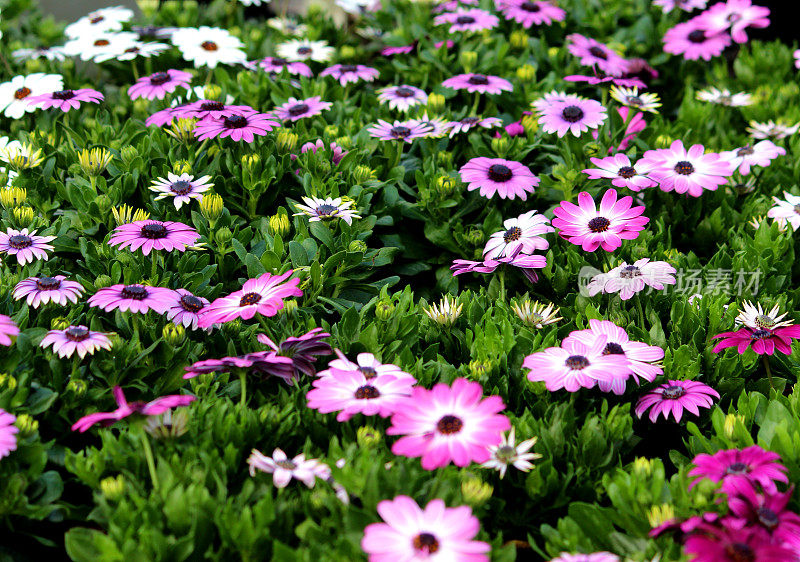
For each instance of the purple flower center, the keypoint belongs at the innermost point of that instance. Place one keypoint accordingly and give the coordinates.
(348, 68)
(470, 120)
(286, 464)
(64, 95)
(767, 517)
(181, 187)
(464, 20)
(740, 552)
(96, 19)
(684, 168)
(572, 114)
(367, 392)
(673, 392)
(760, 334)
(209, 46)
(599, 224)
(630, 271)
(20, 241)
(737, 469)
(449, 425)
(134, 292)
(76, 333)
(512, 234)
(500, 173)
(478, 80)
(304, 50)
(745, 150)
(250, 299)
(235, 122)
(131, 50)
(426, 542)
(697, 36)
(400, 132)
(298, 109)
(613, 348)
(212, 106)
(598, 52)
(403, 92)
(191, 303)
(626, 172)
(278, 61)
(326, 210)
(159, 78)
(530, 7)
(102, 43)
(154, 231)
(368, 372)
(576, 362)
(45, 283)
(22, 93)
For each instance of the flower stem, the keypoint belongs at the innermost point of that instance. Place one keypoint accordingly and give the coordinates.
(502, 285)
(148, 455)
(475, 104)
(640, 310)
(769, 370)
(242, 383)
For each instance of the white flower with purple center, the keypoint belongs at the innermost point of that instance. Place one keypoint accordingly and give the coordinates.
(182, 188)
(208, 46)
(185, 309)
(572, 116)
(508, 452)
(303, 49)
(627, 280)
(786, 210)
(137, 49)
(467, 19)
(89, 47)
(154, 235)
(621, 171)
(75, 338)
(283, 469)
(402, 97)
(506, 178)
(768, 130)
(294, 109)
(467, 123)
(480, 83)
(724, 97)
(519, 235)
(26, 246)
(327, 209)
(55, 53)
(759, 154)
(405, 131)
(41, 290)
(99, 21)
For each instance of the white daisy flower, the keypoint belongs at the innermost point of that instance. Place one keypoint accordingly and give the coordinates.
(787, 210)
(753, 316)
(14, 94)
(631, 97)
(521, 234)
(100, 21)
(182, 188)
(627, 280)
(137, 49)
(50, 53)
(445, 313)
(288, 26)
(303, 49)
(89, 46)
(283, 469)
(509, 453)
(209, 46)
(770, 129)
(326, 209)
(724, 97)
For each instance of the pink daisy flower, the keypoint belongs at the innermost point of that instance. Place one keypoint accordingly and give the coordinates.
(400, 50)
(365, 364)
(302, 350)
(516, 259)
(763, 341)
(751, 463)
(594, 53)
(136, 298)
(295, 109)
(535, 12)
(41, 290)
(480, 83)
(125, 409)
(675, 397)
(263, 295)
(413, 534)
(621, 172)
(346, 73)
(554, 97)
(690, 40)
(277, 65)
(467, 123)
(403, 97)
(519, 235)
(75, 338)
(506, 178)
(186, 308)
(591, 228)
(467, 19)
(8, 432)
(265, 363)
(158, 85)
(722, 544)
(575, 116)
(627, 280)
(26, 246)
(610, 80)
(283, 469)
(734, 16)
(576, 365)
(154, 235)
(759, 154)
(448, 424)
(201, 109)
(8, 329)
(767, 510)
(686, 171)
(237, 126)
(405, 131)
(594, 557)
(66, 99)
(350, 393)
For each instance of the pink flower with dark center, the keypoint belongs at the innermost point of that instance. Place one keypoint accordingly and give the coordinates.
(722, 544)
(627, 280)
(403, 97)
(526, 263)
(346, 73)
(532, 12)
(209, 108)
(185, 308)
(295, 109)
(751, 507)
(763, 341)
(278, 65)
(467, 123)
(506, 178)
(8, 329)
(351, 392)
(237, 126)
(448, 424)
(26, 246)
(675, 397)
(413, 534)
(263, 295)
(44, 289)
(686, 171)
(734, 16)
(593, 53)
(8, 432)
(693, 42)
(75, 338)
(302, 350)
(521, 235)
(265, 363)
(336, 151)
(610, 80)
(136, 298)
(759, 154)
(366, 364)
(283, 469)
(575, 116)
(125, 409)
(589, 227)
(66, 99)
(621, 171)
(405, 131)
(158, 85)
(154, 235)
(467, 19)
(751, 463)
(480, 83)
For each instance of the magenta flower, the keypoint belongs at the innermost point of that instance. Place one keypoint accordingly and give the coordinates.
(467, 19)
(625, 82)
(535, 12)
(759, 154)
(468, 123)
(586, 226)
(366, 364)
(277, 65)
(594, 557)
(627, 280)
(41, 290)
(266, 363)
(400, 50)
(66, 99)
(751, 463)
(750, 507)
(448, 424)
(733, 16)
(335, 149)
(722, 544)
(621, 172)
(8, 329)
(185, 308)
(480, 83)
(154, 235)
(674, 397)
(516, 259)
(136, 298)
(263, 295)
(237, 126)
(402, 98)
(594, 53)
(125, 409)
(575, 115)
(636, 124)
(283, 469)
(763, 341)
(410, 533)
(162, 117)
(302, 350)
(346, 73)
(693, 42)
(295, 109)
(158, 85)
(686, 171)
(519, 235)
(26, 246)
(8, 431)
(75, 338)
(405, 131)
(506, 178)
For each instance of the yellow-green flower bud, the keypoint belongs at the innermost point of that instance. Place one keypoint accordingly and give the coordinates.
(94, 161)
(660, 514)
(526, 73)
(384, 309)
(22, 216)
(363, 173)
(731, 421)
(368, 437)
(500, 145)
(113, 487)
(182, 167)
(13, 197)
(663, 141)
(476, 237)
(128, 153)
(347, 52)
(357, 246)
(27, 425)
(223, 236)
(530, 124)
(251, 162)
(149, 8)
(331, 131)
(279, 225)
(345, 142)
(212, 92)
(475, 491)
(7, 382)
(436, 103)
(174, 334)
(182, 129)
(290, 306)
(591, 149)
(642, 467)
(102, 281)
(444, 158)
(446, 185)
(468, 60)
(552, 52)
(211, 207)
(59, 323)
(77, 387)
(479, 368)
(287, 140)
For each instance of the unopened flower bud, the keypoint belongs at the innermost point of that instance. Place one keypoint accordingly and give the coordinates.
(526, 73)
(27, 425)
(444, 158)
(148, 7)
(552, 52)
(346, 143)
(182, 167)
(476, 237)
(331, 131)
(663, 141)
(223, 236)
(212, 92)
(591, 149)
(642, 467)
(287, 140)
(530, 124)
(213, 150)
(290, 306)
(182, 129)
(519, 39)
(500, 145)
(660, 514)
(384, 309)
(468, 60)
(174, 334)
(169, 425)
(731, 420)
(94, 161)
(251, 163)
(59, 323)
(13, 197)
(362, 174)
(357, 246)
(446, 185)
(368, 437)
(279, 225)
(77, 387)
(211, 207)
(128, 153)
(22, 216)
(102, 281)
(7, 382)
(479, 368)
(475, 491)
(113, 487)
(347, 52)
(436, 103)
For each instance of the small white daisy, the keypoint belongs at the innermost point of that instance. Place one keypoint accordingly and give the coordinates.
(100, 21)
(754, 317)
(303, 49)
(182, 188)
(50, 53)
(771, 129)
(509, 453)
(89, 46)
(283, 469)
(288, 26)
(209, 46)
(15, 93)
(787, 210)
(327, 209)
(724, 97)
(137, 49)
(632, 98)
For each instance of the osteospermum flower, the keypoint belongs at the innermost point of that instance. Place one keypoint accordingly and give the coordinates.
(151, 235)
(402, 98)
(75, 338)
(627, 280)
(589, 227)
(436, 127)
(26, 246)
(771, 130)
(99, 21)
(480, 83)
(410, 533)
(686, 5)
(686, 171)
(467, 19)
(185, 308)
(136, 298)
(182, 188)
(508, 452)
(125, 409)
(8, 432)
(759, 154)
(763, 341)
(303, 49)
(199, 109)
(532, 12)
(263, 295)
(733, 544)
(621, 171)
(405, 131)
(276, 65)
(350, 393)
(208, 46)
(237, 126)
(44, 289)
(724, 97)
(593, 53)
(754, 317)
(295, 109)
(8, 329)
(347, 73)
(265, 363)
(302, 350)
(158, 85)
(448, 424)
(674, 397)
(66, 99)
(734, 16)
(54, 53)
(786, 210)
(690, 40)
(574, 115)
(751, 463)
(631, 97)
(506, 178)
(100, 45)
(535, 314)
(366, 364)
(444, 313)
(134, 50)
(467, 123)
(327, 209)
(526, 263)
(522, 232)
(15, 94)
(283, 469)
(767, 510)
(593, 557)
(337, 154)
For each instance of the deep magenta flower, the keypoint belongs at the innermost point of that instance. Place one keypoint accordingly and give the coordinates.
(722, 544)
(448, 424)
(125, 409)
(185, 308)
(526, 263)
(574, 116)
(277, 65)
(686, 171)
(66, 99)
(593, 53)
(506, 178)
(693, 42)
(8, 431)
(8, 329)
(136, 298)
(621, 171)
(593, 557)
(675, 397)
(26, 246)
(158, 85)
(751, 507)
(263, 362)
(263, 295)
(346, 73)
(752, 463)
(295, 109)
(467, 19)
(75, 338)
(412, 534)
(43, 289)
(238, 126)
(532, 12)
(764, 342)
(154, 235)
(480, 83)
(734, 16)
(302, 350)
(591, 228)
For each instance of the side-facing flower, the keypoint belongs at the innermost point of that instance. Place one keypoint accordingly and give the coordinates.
(786, 210)
(66, 99)
(621, 171)
(8, 432)
(302, 350)
(125, 409)
(763, 341)
(627, 280)
(751, 463)
(403, 97)
(277, 65)
(327, 209)
(136, 298)
(366, 364)
(295, 109)
(265, 363)
(526, 263)
(674, 397)
(75, 338)
(480, 83)
(759, 154)
(158, 85)
(467, 19)
(238, 126)
(405, 131)
(347, 73)
(185, 308)
(754, 317)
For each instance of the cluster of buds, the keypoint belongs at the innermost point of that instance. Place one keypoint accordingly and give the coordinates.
(125, 214)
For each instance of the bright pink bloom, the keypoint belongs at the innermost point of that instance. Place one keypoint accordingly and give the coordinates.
(266, 363)
(26, 246)
(201, 109)
(448, 424)
(752, 463)
(125, 409)
(158, 85)
(66, 99)
(686, 171)
(764, 342)
(350, 393)
(335, 149)
(302, 350)
(402, 97)
(632, 82)
(693, 42)
(467, 19)
(506, 178)
(44, 289)
(532, 12)
(8, 329)
(481, 83)
(594, 53)
(185, 309)
(75, 338)
(136, 298)
(574, 116)
(751, 507)
(154, 235)
(524, 262)
(594, 557)
(734, 16)
(621, 172)
(295, 109)
(636, 124)
(674, 397)
(346, 73)
(237, 126)
(720, 544)
(8, 431)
